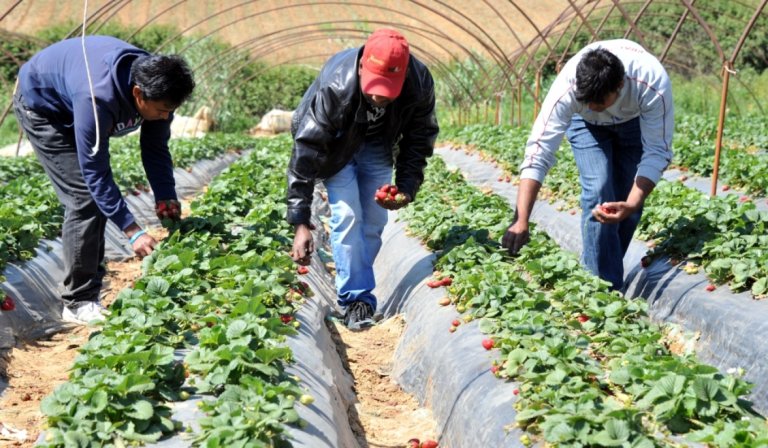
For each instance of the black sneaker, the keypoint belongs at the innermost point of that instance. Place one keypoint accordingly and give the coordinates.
(359, 315)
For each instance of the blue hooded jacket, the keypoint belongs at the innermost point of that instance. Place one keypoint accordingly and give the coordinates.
(54, 84)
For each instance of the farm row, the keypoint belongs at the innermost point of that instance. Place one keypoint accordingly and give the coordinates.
(725, 235)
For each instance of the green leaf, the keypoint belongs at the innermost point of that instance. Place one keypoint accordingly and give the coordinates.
(51, 407)
(615, 434)
(76, 439)
(556, 377)
(142, 410)
(99, 401)
(158, 286)
(236, 329)
(705, 388)
(529, 414)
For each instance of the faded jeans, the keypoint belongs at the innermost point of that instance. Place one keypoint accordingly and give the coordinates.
(607, 158)
(357, 221)
(82, 232)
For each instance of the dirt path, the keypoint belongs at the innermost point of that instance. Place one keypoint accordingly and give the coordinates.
(384, 416)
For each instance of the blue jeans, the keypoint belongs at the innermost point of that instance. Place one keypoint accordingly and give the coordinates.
(607, 159)
(357, 221)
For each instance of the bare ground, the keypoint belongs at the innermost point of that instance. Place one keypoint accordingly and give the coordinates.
(384, 416)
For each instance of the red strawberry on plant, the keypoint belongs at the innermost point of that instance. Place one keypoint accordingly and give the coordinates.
(434, 284)
(414, 443)
(456, 322)
(583, 318)
(286, 318)
(726, 187)
(447, 281)
(516, 391)
(302, 270)
(429, 444)
(8, 304)
(488, 343)
(710, 287)
(494, 369)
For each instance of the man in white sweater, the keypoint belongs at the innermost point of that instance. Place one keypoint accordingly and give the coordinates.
(613, 100)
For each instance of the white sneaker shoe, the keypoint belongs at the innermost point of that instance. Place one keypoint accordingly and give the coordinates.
(84, 313)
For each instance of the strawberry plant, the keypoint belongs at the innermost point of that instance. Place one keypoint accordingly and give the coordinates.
(592, 369)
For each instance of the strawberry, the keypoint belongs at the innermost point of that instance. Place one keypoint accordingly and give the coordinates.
(381, 195)
(744, 199)
(494, 369)
(452, 329)
(726, 187)
(434, 284)
(429, 444)
(286, 318)
(710, 287)
(488, 343)
(306, 400)
(456, 322)
(516, 391)
(384, 188)
(645, 261)
(583, 318)
(7, 304)
(414, 443)
(302, 270)
(607, 210)
(683, 178)
(393, 190)
(446, 281)
(401, 198)
(445, 301)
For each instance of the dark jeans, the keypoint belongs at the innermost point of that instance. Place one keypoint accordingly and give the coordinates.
(83, 229)
(607, 158)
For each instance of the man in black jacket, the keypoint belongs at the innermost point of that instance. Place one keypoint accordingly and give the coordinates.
(370, 108)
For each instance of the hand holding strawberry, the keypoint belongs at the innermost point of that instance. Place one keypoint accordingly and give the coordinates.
(612, 212)
(389, 197)
(168, 209)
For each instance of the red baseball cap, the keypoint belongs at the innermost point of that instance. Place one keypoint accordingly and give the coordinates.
(384, 63)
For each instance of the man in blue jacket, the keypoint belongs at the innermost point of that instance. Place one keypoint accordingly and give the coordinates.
(369, 109)
(69, 120)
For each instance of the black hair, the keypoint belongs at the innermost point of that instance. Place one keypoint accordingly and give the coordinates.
(598, 74)
(163, 78)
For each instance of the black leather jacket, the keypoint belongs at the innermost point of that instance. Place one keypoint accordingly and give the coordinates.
(329, 126)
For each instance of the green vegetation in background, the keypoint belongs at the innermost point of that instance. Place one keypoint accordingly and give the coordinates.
(237, 87)
(9, 131)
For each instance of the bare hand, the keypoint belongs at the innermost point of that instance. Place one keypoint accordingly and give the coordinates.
(303, 245)
(612, 212)
(400, 201)
(144, 245)
(516, 236)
